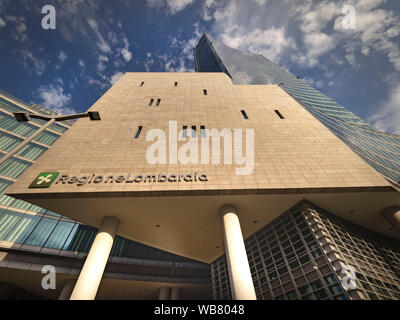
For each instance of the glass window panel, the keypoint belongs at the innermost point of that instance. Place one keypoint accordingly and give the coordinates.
(304, 289)
(336, 289)
(8, 142)
(7, 220)
(41, 232)
(59, 128)
(6, 200)
(4, 185)
(47, 138)
(31, 151)
(70, 237)
(23, 228)
(59, 235)
(20, 204)
(13, 167)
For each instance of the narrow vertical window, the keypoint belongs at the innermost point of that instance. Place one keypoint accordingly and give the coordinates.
(151, 102)
(158, 102)
(194, 133)
(142, 84)
(176, 84)
(244, 114)
(138, 132)
(184, 132)
(203, 131)
(279, 114)
(205, 92)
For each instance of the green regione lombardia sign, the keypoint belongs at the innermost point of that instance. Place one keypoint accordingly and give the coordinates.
(44, 180)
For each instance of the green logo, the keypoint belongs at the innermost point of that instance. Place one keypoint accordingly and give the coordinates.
(44, 180)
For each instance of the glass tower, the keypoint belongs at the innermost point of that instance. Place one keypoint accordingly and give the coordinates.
(380, 150)
(301, 254)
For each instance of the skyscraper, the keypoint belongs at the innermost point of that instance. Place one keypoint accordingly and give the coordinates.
(380, 150)
(308, 210)
(279, 208)
(272, 253)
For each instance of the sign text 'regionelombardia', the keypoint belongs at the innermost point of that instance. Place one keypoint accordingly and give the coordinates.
(150, 178)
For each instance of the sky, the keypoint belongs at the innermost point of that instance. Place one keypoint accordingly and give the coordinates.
(69, 68)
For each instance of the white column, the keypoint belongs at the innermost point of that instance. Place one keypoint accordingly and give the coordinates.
(90, 277)
(175, 293)
(67, 289)
(238, 265)
(164, 293)
(392, 215)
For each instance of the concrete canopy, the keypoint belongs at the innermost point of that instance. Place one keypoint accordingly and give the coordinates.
(294, 158)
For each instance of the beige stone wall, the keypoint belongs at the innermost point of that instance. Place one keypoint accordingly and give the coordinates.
(295, 153)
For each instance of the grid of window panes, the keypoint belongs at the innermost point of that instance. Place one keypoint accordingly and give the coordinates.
(376, 258)
(12, 133)
(286, 263)
(378, 149)
(220, 280)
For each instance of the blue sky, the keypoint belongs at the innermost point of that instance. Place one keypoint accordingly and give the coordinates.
(95, 41)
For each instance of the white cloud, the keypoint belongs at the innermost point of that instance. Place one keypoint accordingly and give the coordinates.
(206, 11)
(318, 44)
(2, 23)
(261, 2)
(149, 61)
(96, 82)
(100, 65)
(81, 63)
(20, 29)
(322, 31)
(187, 46)
(270, 42)
(176, 65)
(376, 30)
(115, 77)
(242, 25)
(315, 17)
(126, 54)
(209, 3)
(178, 5)
(32, 63)
(173, 6)
(352, 60)
(387, 116)
(101, 44)
(53, 97)
(62, 56)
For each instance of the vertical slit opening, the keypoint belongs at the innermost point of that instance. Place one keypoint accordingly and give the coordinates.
(184, 132)
(203, 131)
(138, 132)
(279, 114)
(244, 114)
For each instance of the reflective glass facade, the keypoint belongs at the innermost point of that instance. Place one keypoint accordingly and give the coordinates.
(300, 255)
(380, 150)
(28, 227)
